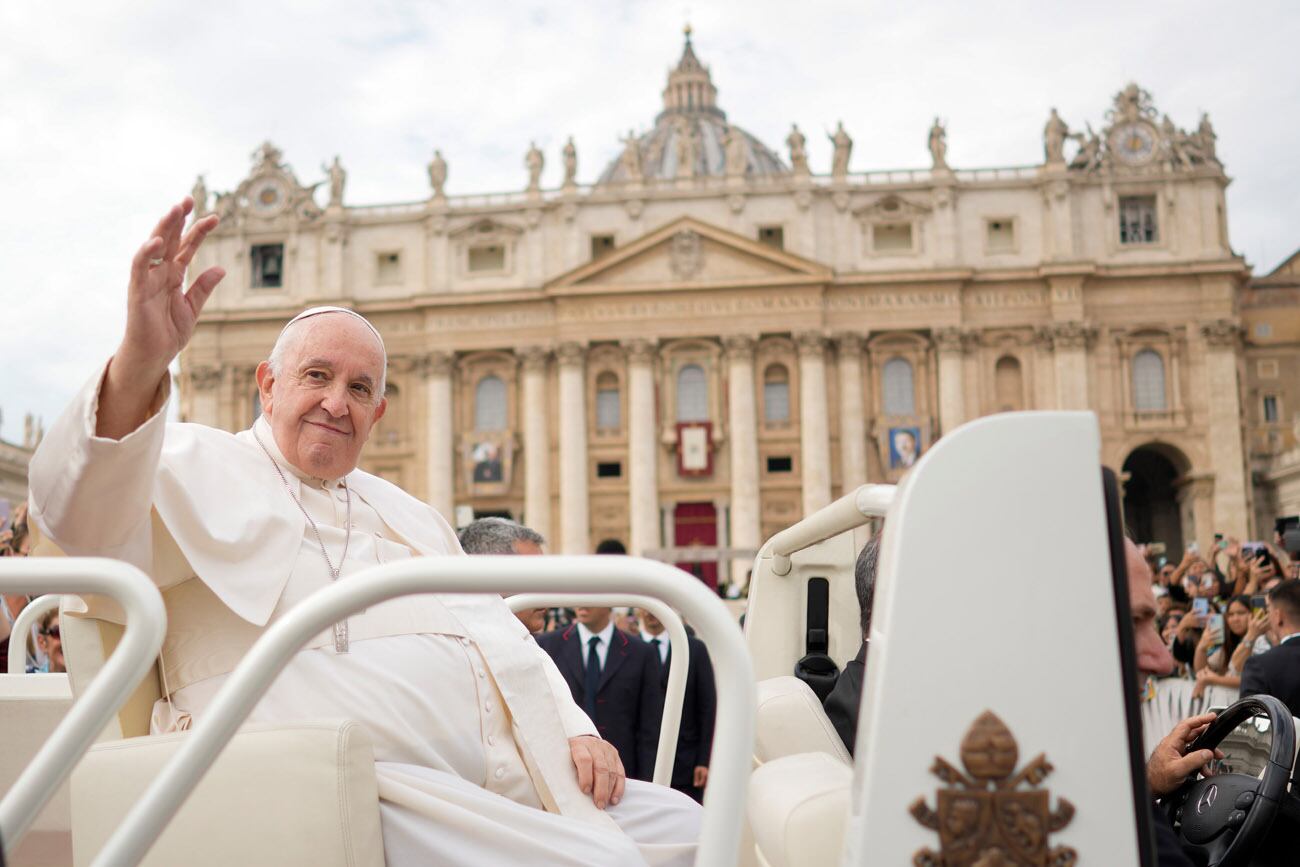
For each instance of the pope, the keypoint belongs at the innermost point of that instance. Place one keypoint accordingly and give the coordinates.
(482, 756)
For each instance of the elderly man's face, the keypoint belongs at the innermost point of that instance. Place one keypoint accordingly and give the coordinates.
(1152, 655)
(325, 399)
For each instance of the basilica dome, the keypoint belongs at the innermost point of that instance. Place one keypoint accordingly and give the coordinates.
(691, 137)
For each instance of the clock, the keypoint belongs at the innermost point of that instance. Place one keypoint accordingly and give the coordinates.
(268, 197)
(1134, 142)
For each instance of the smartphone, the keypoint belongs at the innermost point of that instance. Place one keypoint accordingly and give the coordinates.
(1155, 549)
(1258, 603)
(1201, 607)
(1216, 622)
(1162, 562)
(1252, 550)
(1194, 547)
(1219, 541)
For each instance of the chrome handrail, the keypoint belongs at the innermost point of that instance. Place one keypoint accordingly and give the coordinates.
(724, 798)
(146, 624)
(675, 696)
(23, 628)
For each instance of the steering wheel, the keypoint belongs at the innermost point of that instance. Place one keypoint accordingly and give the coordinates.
(1227, 816)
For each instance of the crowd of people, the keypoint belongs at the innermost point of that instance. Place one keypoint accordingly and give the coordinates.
(1220, 611)
(43, 647)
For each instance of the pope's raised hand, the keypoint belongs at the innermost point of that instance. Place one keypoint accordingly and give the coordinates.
(160, 319)
(161, 315)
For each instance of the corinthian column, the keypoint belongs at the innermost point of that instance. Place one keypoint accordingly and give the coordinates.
(853, 422)
(742, 420)
(642, 433)
(440, 476)
(814, 434)
(952, 389)
(537, 442)
(575, 521)
(1070, 346)
(1227, 453)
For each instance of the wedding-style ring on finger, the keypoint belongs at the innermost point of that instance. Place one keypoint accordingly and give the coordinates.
(155, 262)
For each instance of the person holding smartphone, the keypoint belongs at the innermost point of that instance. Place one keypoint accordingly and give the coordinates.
(1218, 645)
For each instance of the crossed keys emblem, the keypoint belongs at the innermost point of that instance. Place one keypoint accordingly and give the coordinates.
(984, 818)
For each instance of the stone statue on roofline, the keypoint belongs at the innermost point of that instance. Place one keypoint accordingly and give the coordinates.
(1206, 139)
(687, 143)
(843, 148)
(338, 177)
(938, 143)
(437, 174)
(798, 150)
(200, 196)
(534, 161)
(631, 157)
(1054, 135)
(737, 155)
(570, 157)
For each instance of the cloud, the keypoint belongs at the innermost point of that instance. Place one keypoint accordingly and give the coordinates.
(109, 115)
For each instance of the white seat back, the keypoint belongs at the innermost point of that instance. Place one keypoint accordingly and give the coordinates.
(996, 593)
(791, 721)
(31, 706)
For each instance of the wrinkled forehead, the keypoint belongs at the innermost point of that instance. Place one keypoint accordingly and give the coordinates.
(341, 338)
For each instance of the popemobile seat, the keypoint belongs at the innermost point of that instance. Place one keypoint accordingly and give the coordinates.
(983, 728)
(301, 796)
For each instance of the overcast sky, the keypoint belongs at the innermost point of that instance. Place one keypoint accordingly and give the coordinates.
(109, 110)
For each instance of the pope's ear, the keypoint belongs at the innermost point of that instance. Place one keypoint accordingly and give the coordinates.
(381, 409)
(265, 379)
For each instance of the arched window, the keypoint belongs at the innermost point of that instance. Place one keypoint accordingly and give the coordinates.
(776, 394)
(490, 404)
(692, 394)
(1148, 381)
(897, 388)
(1008, 384)
(609, 411)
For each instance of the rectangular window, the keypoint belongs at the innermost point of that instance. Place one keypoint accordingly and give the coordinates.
(1270, 408)
(1263, 329)
(608, 411)
(268, 266)
(780, 464)
(1266, 368)
(1000, 235)
(1137, 220)
(772, 236)
(388, 269)
(891, 237)
(490, 257)
(609, 470)
(601, 245)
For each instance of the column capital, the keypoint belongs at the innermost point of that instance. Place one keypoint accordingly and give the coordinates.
(739, 347)
(640, 350)
(1222, 332)
(811, 343)
(571, 353)
(1073, 335)
(535, 358)
(205, 377)
(436, 363)
(954, 339)
(848, 343)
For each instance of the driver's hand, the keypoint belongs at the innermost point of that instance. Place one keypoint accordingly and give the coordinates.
(1170, 764)
(600, 771)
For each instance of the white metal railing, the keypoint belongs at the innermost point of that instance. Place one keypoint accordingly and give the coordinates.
(870, 501)
(675, 696)
(22, 629)
(724, 799)
(146, 624)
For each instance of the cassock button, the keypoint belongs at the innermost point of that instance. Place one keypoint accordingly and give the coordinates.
(482, 673)
(491, 741)
(500, 772)
(487, 707)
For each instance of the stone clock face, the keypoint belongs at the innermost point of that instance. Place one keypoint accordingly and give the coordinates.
(268, 197)
(1134, 143)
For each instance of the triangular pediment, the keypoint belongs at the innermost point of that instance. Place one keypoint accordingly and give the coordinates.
(688, 253)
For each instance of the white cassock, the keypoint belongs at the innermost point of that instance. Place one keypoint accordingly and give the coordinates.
(470, 719)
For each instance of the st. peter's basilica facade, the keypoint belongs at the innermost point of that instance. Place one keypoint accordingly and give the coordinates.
(715, 339)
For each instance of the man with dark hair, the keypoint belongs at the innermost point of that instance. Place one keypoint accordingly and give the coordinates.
(845, 699)
(1277, 672)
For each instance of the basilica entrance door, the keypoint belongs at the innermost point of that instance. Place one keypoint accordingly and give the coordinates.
(697, 524)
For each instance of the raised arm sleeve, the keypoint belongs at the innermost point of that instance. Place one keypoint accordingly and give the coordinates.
(90, 495)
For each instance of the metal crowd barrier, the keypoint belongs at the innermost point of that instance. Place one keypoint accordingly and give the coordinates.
(675, 696)
(724, 799)
(146, 624)
(1173, 703)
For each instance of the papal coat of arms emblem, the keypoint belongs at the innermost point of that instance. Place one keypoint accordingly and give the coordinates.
(984, 817)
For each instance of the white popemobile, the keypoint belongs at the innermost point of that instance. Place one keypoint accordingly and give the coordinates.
(988, 734)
